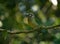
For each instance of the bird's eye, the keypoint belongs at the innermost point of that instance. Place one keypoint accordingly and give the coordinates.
(28, 14)
(31, 15)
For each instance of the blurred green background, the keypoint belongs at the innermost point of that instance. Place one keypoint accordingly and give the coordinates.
(20, 18)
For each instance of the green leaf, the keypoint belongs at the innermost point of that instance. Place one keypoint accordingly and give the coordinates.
(28, 27)
(38, 21)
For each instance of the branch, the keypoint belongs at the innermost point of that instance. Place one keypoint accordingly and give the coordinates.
(33, 30)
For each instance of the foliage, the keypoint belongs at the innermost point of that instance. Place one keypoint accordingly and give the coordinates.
(29, 22)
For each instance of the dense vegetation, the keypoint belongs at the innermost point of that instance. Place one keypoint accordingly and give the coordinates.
(29, 22)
